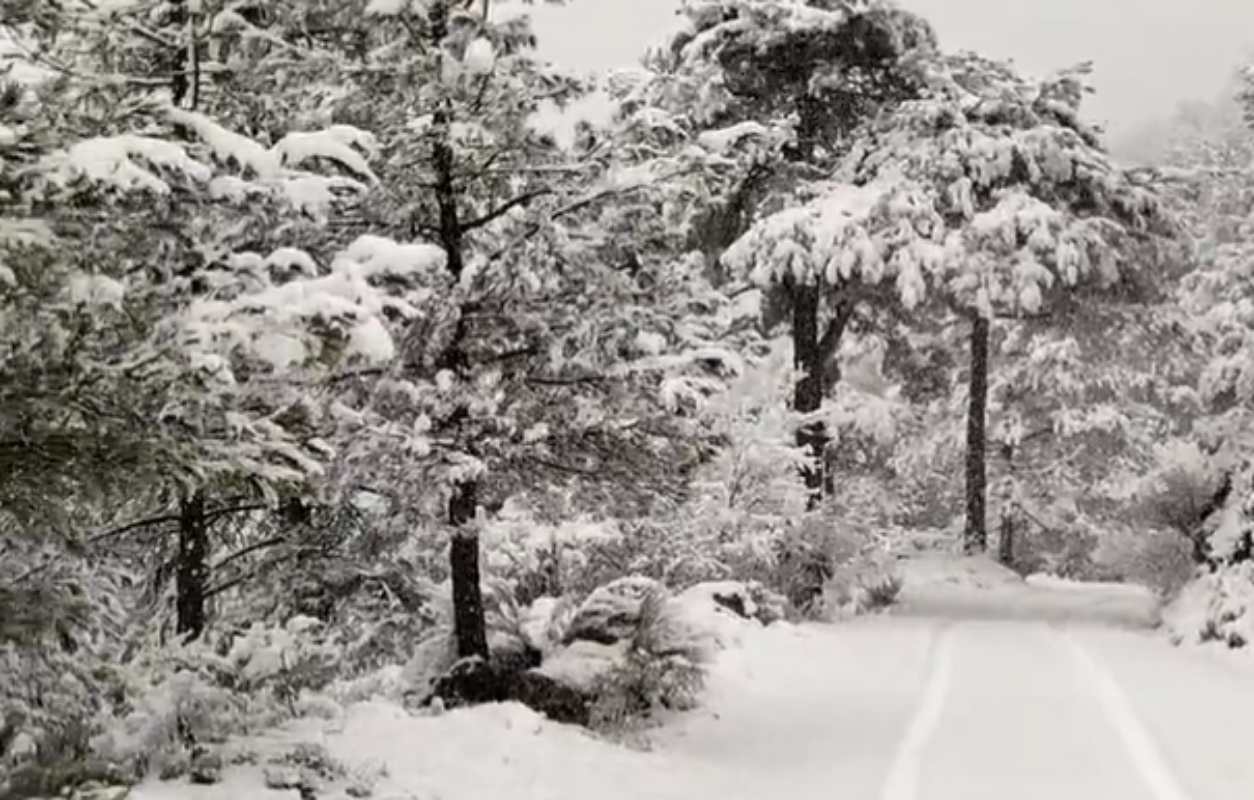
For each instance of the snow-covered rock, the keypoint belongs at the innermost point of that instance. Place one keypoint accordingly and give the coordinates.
(544, 622)
(430, 659)
(730, 595)
(612, 612)
(480, 57)
(582, 663)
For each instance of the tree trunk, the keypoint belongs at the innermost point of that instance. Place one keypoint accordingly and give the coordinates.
(185, 83)
(1006, 537)
(469, 627)
(975, 536)
(468, 623)
(192, 575)
(1006, 532)
(808, 394)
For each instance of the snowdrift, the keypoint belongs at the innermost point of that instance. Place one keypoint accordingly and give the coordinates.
(976, 587)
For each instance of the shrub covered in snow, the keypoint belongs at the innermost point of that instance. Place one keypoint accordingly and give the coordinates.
(861, 586)
(1182, 493)
(180, 699)
(661, 668)
(1161, 560)
(628, 650)
(1216, 607)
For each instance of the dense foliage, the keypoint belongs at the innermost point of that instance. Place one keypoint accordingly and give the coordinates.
(323, 356)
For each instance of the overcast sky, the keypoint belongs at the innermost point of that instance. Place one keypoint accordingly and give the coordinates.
(1148, 54)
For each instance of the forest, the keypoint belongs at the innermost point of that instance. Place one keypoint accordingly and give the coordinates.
(329, 371)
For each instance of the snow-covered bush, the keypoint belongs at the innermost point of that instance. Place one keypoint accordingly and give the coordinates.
(1231, 540)
(183, 697)
(538, 558)
(1067, 548)
(59, 628)
(660, 669)
(863, 585)
(176, 701)
(284, 661)
(1179, 493)
(882, 591)
(1161, 560)
(1216, 607)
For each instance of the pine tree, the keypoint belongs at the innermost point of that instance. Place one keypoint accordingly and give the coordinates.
(988, 194)
(777, 87)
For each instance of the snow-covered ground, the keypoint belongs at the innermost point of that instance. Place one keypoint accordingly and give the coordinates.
(929, 706)
(940, 585)
(807, 707)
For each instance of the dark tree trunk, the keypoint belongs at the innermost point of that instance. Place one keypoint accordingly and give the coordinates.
(808, 394)
(1006, 537)
(813, 356)
(468, 624)
(1006, 532)
(192, 572)
(469, 627)
(975, 536)
(185, 85)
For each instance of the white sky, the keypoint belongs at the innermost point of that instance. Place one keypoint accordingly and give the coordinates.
(1148, 54)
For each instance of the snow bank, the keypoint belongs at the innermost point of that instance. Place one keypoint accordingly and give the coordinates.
(481, 753)
(1053, 582)
(822, 706)
(506, 750)
(1216, 608)
(978, 588)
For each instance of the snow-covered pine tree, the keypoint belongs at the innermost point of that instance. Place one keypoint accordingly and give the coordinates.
(987, 194)
(448, 329)
(1209, 184)
(165, 208)
(773, 89)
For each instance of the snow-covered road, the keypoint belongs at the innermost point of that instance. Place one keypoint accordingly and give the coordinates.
(913, 709)
(1025, 713)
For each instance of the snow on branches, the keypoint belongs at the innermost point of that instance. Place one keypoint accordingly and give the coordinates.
(984, 189)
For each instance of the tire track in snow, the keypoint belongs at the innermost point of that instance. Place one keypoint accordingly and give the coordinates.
(1138, 742)
(903, 777)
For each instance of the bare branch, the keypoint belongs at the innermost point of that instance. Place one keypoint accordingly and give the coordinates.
(252, 548)
(164, 518)
(578, 205)
(130, 526)
(257, 570)
(503, 209)
(540, 380)
(222, 512)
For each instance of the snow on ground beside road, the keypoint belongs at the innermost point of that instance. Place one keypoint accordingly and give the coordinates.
(976, 587)
(800, 710)
(482, 753)
(1044, 581)
(811, 706)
